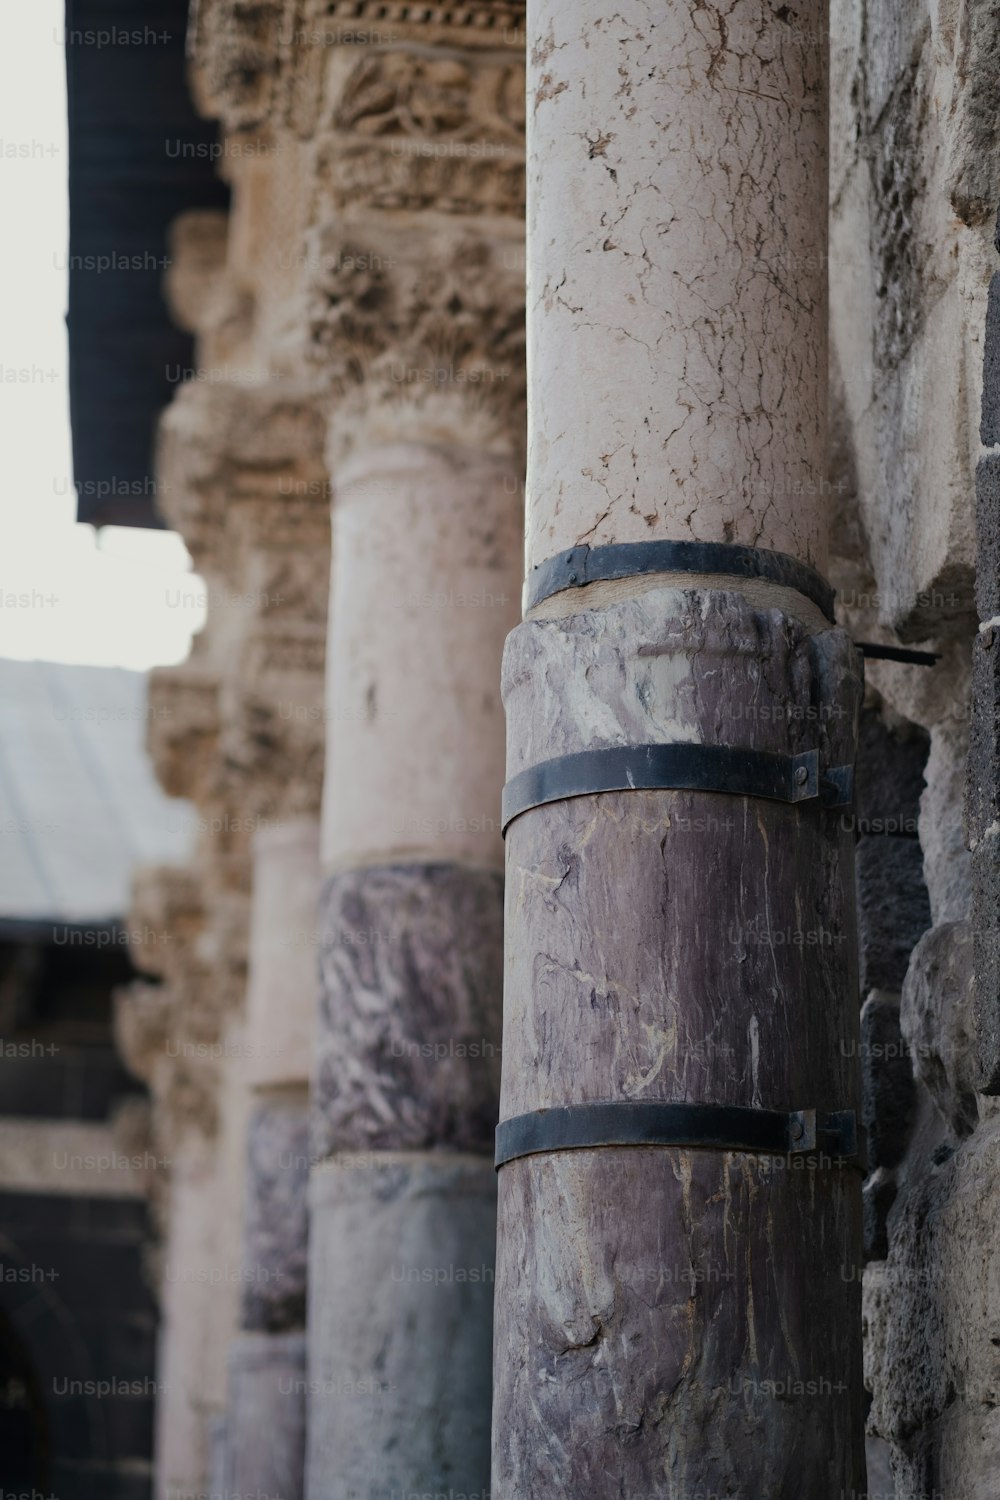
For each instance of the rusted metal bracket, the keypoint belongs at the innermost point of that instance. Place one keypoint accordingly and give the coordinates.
(872, 651)
(677, 767)
(713, 1127)
(582, 565)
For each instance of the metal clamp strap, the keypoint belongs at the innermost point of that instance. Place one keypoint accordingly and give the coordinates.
(873, 651)
(583, 565)
(681, 767)
(713, 1127)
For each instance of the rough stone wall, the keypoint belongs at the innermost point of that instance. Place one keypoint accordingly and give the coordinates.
(916, 184)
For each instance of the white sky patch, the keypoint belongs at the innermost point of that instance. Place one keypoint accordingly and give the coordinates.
(67, 592)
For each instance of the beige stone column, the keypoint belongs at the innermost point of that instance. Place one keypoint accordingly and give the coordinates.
(265, 1422)
(677, 276)
(426, 570)
(671, 1319)
(416, 320)
(187, 1323)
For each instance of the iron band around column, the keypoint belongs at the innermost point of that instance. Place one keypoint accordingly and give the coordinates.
(679, 767)
(713, 1127)
(582, 565)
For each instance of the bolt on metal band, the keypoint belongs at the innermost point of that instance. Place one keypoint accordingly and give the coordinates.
(677, 767)
(582, 565)
(713, 1127)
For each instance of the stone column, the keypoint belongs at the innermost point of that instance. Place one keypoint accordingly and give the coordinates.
(265, 1420)
(674, 1321)
(416, 318)
(425, 585)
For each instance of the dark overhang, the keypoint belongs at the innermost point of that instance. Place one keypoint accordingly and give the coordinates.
(138, 157)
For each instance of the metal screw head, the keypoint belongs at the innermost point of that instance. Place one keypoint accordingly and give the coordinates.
(801, 775)
(797, 1130)
(572, 578)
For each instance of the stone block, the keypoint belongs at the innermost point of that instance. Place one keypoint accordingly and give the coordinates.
(878, 1196)
(880, 1481)
(276, 1223)
(887, 1081)
(988, 534)
(973, 148)
(930, 1311)
(989, 430)
(893, 908)
(937, 1025)
(889, 776)
(215, 1449)
(982, 786)
(400, 1320)
(265, 1441)
(947, 867)
(986, 963)
(281, 993)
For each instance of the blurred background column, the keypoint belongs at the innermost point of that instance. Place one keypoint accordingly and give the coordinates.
(265, 1419)
(417, 320)
(427, 556)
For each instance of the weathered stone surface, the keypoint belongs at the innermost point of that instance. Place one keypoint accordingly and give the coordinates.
(275, 1228)
(937, 1023)
(887, 1081)
(932, 1345)
(889, 775)
(989, 428)
(215, 1444)
(909, 266)
(415, 726)
(659, 1287)
(641, 1019)
(281, 989)
(947, 866)
(955, 1456)
(195, 280)
(878, 1196)
(893, 908)
(982, 793)
(696, 340)
(267, 61)
(881, 1485)
(408, 1047)
(988, 533)
(973, 161)
(646, 668)
(399, 1342)
(636, 972)
(337, 122)
(982, 790)
(986, 963)
(266, 1419)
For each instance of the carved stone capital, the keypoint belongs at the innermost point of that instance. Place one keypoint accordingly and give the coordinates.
(264, 60)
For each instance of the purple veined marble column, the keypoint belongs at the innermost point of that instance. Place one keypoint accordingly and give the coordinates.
(674, 1322)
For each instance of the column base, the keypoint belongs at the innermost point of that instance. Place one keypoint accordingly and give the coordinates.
(265, 1435)
(400, 1325)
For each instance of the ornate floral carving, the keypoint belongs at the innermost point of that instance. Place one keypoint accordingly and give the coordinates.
(260, 62)
(396, 93)
(443, 314)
